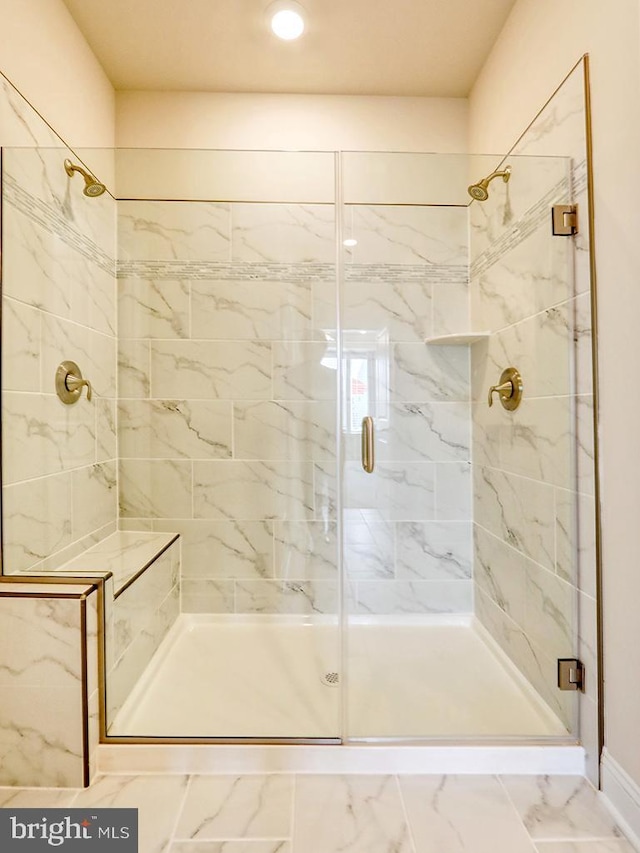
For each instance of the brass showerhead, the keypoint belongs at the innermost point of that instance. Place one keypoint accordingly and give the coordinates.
(92, 187)
(480, 191)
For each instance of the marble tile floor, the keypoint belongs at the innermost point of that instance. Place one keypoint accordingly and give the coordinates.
(283, 813)
(266, 679)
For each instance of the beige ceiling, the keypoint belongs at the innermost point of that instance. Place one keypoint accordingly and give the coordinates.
(370, 47)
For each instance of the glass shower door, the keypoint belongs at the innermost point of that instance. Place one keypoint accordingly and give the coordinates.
(438, 536)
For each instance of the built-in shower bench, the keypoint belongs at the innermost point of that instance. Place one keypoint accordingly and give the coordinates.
(141, 574)
(124, 557)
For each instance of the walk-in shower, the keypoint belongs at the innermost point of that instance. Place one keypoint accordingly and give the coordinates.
(271, 307)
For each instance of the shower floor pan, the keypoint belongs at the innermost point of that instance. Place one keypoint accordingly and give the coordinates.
(280, 677)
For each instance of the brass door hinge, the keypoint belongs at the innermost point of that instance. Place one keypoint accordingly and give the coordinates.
(570, 674)
(564, 220)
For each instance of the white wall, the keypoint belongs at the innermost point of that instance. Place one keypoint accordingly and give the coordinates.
(43, 53)
(298, 122)
(540, 42)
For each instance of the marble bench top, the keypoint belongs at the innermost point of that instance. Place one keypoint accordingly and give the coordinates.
(124, 555)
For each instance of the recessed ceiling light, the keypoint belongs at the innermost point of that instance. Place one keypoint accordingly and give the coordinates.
(286, 20)
(349, 242)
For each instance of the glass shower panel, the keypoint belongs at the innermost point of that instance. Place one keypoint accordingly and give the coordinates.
(455, 563)
(227, 430)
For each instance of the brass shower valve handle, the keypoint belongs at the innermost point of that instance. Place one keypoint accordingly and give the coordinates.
(70, 382)
(509, 389)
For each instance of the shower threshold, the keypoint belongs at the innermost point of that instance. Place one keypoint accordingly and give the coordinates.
(434, 688)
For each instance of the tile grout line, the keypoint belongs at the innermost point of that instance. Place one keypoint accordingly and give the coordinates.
(405, 813)
(513, 806)
(294, 789)
(179, 811)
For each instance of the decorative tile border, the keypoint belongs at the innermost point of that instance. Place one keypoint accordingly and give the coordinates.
(296, 273)
(531, 221)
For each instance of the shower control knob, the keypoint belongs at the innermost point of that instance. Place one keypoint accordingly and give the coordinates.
(69, 383)
(509, 389)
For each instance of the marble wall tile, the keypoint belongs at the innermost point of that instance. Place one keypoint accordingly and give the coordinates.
(258, 806)
(434, 550)
(537, 440)
(587, 629)
(531, 276)
(211, 370)
(173, 230)
(155, 488)
(402, 311)
(350, 813)
(206, 595)
(41, 742)
(585, 462)
(153, 309)
(397, 597)
(307, 550)
(126, 671)
(450, 309)
(94, 497)
(535, 666)
(550, 613)
(541, 349)
(33, 269)
(93, 352)
(399, 491)
(453, 491)
(369, 549)
(394, 234)
(255, 310)
(422, 373)
(41, 684)
(106, 436)
(253, 490)
(174, 429)
(284, 430)
(43, 436)
(517, 510)
(284, 233)
(557, 807)
(501, 573)
(461, 813)
(223, 549)
(304, 597)
(304, 371)
(21, 344)
(134, 369)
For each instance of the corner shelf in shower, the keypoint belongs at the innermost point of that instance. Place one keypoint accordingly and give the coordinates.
(457, 340)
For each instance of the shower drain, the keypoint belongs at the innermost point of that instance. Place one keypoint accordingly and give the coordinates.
(331, 679)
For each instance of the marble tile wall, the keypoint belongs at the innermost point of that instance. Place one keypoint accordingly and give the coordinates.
(138, 620)
(228, 387)
(49, 710)
(58, 303)
(534, 511)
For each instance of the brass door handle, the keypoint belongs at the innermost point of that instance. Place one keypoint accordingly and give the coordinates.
(509, 389)
(367, 445)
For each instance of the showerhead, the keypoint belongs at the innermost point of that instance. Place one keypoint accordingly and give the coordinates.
(480, 191)
(92, 187)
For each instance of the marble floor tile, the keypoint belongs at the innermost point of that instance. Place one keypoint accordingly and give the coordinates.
(231, 847)
(560, 807)
(158, 799)
(235, 807)
(35, 798)
(600, 846)
(461, 814)
(349, 814)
